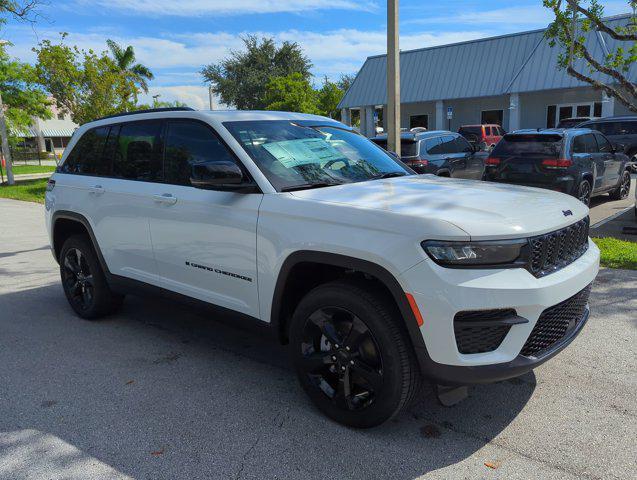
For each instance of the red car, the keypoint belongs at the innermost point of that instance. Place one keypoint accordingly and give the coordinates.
(485, 136)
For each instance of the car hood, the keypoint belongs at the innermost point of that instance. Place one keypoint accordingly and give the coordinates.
(484, 210)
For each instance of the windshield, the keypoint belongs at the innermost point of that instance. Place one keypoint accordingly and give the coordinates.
(542, 144)
(293, 156)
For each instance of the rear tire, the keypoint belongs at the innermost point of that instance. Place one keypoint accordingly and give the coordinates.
(352, 355)
(83, 280)
(584, 191)
(623, 189)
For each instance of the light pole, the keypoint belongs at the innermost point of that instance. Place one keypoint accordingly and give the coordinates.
(210, 97)
(393, 78)
(155, 97)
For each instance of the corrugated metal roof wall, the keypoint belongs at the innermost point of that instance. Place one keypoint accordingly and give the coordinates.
(522, 62)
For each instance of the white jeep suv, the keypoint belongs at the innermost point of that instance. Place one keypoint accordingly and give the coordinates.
(375, 276)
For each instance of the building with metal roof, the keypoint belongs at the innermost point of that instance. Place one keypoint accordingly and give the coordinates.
(512, 80)
(51, 136)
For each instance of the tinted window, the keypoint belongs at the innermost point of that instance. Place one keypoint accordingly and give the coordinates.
(607, 128)
(470, 132)
(462, 145)
(545, 145)
(602, 144)
(137, 154)
(87, 155)
(189, 144)
(408, 148)
(432, 145)
(487, 131)
(449, 144)
(584, 144)
(627, 128)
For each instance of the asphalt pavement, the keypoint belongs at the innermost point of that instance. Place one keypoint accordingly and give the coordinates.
(161, 392)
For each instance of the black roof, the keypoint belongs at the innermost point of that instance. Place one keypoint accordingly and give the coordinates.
(149, 110)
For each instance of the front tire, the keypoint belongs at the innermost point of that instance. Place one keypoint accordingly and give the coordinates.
(84, 281)
(351, 354)
(623, 189)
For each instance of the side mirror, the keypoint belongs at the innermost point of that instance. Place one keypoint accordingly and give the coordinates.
(619, 147)
(216, 175)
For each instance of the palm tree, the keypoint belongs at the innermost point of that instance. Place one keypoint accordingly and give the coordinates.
(125, 60)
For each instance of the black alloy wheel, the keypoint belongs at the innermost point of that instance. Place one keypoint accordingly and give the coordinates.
(78, 279)
(341, 357)
(584, 192)
(624, 187)
(83, 280)
(352, 353)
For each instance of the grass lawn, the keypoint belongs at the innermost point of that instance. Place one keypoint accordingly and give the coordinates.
(25, 169)
(617, 253)
(27, 190)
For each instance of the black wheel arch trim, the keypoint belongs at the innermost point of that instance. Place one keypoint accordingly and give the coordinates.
(77, 217)
(355, 264)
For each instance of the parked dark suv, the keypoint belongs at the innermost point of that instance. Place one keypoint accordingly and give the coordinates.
(440, 152)
(580, 162)
(620, 130)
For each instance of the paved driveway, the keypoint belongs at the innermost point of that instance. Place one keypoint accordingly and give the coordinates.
(160, 392)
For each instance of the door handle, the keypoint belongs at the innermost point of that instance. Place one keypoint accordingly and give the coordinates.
(96, 189)
(165, 198)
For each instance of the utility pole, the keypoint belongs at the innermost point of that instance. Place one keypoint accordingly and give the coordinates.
(210, 97)
(393, 78)
(5, 144)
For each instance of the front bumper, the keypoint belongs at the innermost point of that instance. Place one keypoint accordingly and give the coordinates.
(440, 293)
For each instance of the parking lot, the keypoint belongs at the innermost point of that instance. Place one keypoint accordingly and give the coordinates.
(161, 392)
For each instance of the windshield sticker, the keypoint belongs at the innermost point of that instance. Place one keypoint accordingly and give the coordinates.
(292, 153)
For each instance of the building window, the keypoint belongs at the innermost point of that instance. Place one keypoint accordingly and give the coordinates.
(419, 121)
(556, 113)
(60, 116)
(493, 117)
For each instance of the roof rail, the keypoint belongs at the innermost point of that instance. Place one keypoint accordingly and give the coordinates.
(148, 110)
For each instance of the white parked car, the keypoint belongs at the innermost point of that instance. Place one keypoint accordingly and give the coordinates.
(375, 276)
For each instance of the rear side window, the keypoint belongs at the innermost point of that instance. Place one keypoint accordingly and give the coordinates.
(544, 145)
(190, 145)
(603, 145)
(138, 152)
(432, 145)
(627, 128)
(584, 144)
(87, 158)
(462, 145)
(449, 144)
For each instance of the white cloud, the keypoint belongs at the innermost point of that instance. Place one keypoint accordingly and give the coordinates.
(177, 59)
(509, 18)
(188, 8)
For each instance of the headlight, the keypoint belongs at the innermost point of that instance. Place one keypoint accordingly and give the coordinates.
(496, 254)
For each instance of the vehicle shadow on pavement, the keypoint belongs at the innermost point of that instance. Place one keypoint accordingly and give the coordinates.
(162, 391)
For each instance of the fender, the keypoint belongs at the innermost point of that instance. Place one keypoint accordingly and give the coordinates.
(86, 224)
(350, 263)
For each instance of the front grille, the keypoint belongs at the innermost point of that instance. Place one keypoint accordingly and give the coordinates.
(478, 331)
(555, 250)
(555, 323)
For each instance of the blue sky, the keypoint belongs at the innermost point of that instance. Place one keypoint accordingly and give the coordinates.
(175, 38)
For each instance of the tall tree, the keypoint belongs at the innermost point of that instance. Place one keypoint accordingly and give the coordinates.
(26, 10)
(345, 81)
(291, 93)
(125, 61)
(329, 96)
(573, 20)
(242, 78)
(86, 84)
(22, 96)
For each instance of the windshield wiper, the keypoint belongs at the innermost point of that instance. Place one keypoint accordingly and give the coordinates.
(307, 186)
(389, 175)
